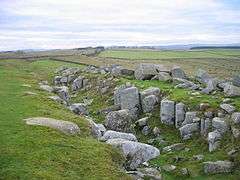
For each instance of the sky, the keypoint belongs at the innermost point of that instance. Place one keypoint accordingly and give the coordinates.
(56, 24)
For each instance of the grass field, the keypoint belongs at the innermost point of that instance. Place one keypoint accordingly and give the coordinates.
(29, 152)
(170, 54)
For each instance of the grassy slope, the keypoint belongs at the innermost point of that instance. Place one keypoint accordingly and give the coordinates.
(168, 54)
(29, 152)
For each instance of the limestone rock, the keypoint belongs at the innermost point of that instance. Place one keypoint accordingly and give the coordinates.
(174, 147)
(149, 103)
(236, 118)
(228, 108)
(118, 135)
(79, 108)
(97, 130)
(156, 131)
(150, 91)
(146, 71)
(189, 117)
(220, 125)
(142, 122)
(218, 167)
(213, 140)
(231, 90)
(146, 130)
(211, 86)
(180, 114)
(146, 173)
(129, 99)
(119, 121)
(77, 83)
(135, 152)
(205, 126)
(189, 129)
(236, 80)
(177, 72)
(162, 76)
(202, 76)
(63, 126)
(167, 112)
(46, 88)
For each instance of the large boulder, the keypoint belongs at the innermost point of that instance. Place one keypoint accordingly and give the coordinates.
(135, 152)
(63, 93)
(228, 108)
(117, 93)
(189, 117)
(211, 86)
(236, 118)
(145, 71)
(118, 135)
(214, 140)
(162, 76)
(148, 103)
(218, 167)
(77, 83)
(79, 108)
(129, 99)
(63, 126)
(167, 112)
(179, 114)
(236, 80)
(187, 130)
(150, 91)
(202, 76)
(177, 72)
(231, 90)
(220, 125)
(119, 121)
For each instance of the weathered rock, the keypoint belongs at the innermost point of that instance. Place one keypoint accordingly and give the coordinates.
(162, 76)
(169, 168)
(118, 91)
(110, 109)
(205, 126)
(146, 130)
(211, 86)
(167, 112)
(174, 147)
(189, 117)
(189, 129)
(46, 88)
(130, 100)
(77, 83)
(145, 71)
(119, 121)
(177, 72)
(56, 98)
(220, 125)
(118, 135)
(127, 72)
(213, 140)
(236, 132)
(146, 173)
(63, 93)
(63, 126)
(236, 118)
(149, 103)
(142, 122)
(79, 108)
(218, 167)
(236, 80)
(135, 152)
(198, 157)
(156, 131)
(179, 114)
(183, 83)
(228, 108)
(150, 91)
(231, 90)
(208, 114)
(202, 76)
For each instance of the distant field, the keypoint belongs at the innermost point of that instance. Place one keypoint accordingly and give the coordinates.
(170, 54)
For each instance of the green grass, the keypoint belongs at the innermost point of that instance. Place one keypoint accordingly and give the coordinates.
(169, 54)
(29, 152)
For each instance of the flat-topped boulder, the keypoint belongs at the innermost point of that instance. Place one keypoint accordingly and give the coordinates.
(228, 108)
(145, 71)
(150, 91)
(167, 112)
(231, 90)
(63, 126)
(135, 152)
(218, 167)
(118, 135)
(162, 76)
(202, 76)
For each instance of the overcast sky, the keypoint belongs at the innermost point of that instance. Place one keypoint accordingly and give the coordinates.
(51, 24)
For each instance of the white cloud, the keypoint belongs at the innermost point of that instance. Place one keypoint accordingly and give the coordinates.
(61, 23)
